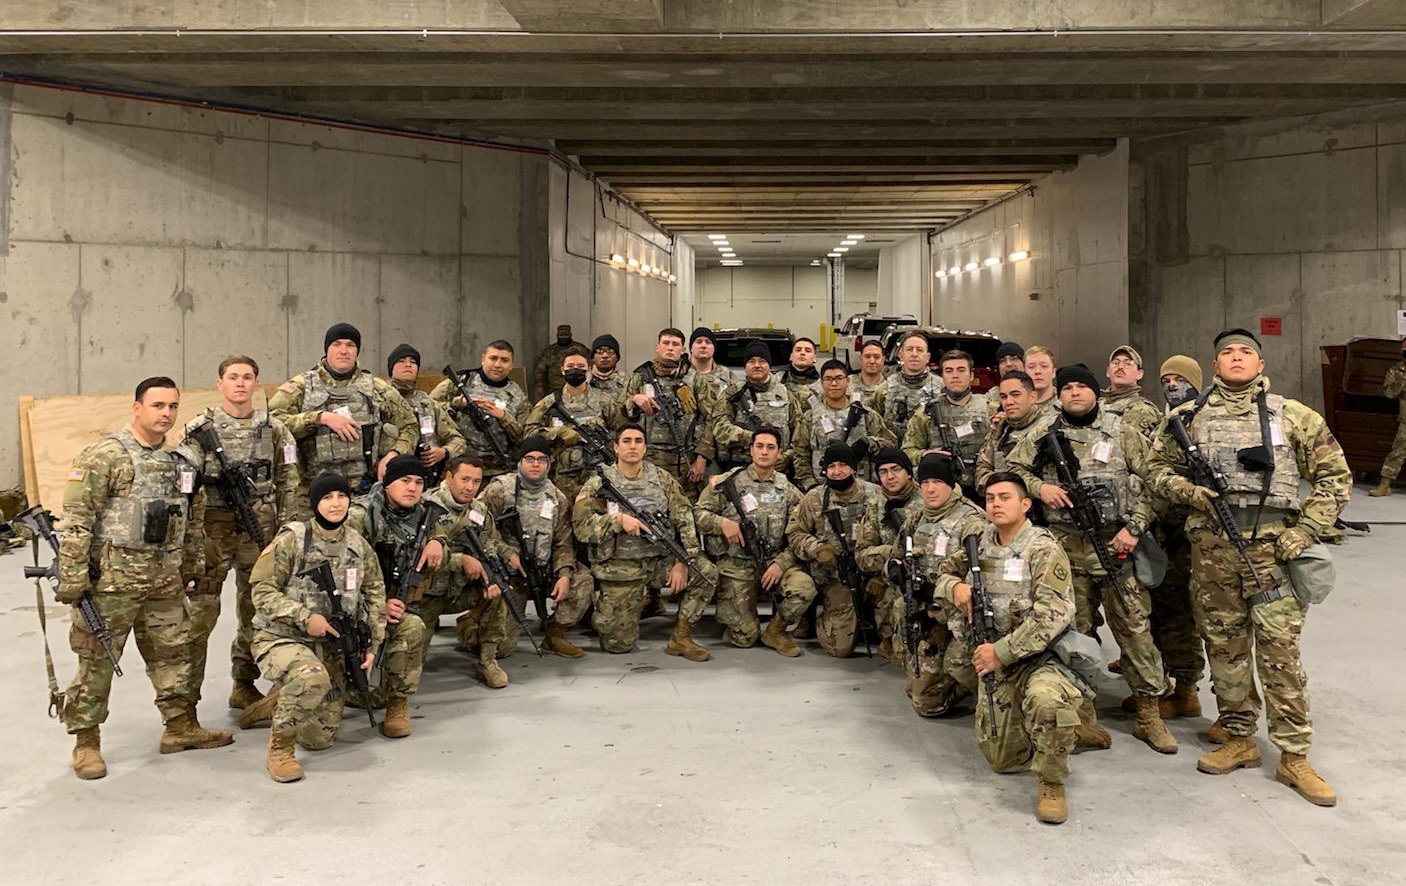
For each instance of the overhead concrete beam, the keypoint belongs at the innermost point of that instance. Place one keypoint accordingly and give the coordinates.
(586, 15)
(1364, 14)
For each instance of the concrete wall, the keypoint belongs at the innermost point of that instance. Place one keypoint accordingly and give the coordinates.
(1072, 293)
(1302, 220)
(791, 297)
(144, 239)
(902, 285)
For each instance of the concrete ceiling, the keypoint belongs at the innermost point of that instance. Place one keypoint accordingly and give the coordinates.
(789, 248)
(753, 116)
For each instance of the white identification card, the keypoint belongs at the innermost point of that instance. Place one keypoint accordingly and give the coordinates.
(939, 546)
(649, 390)
(343, 411)
(749, 502)
(500, 403)
(965, 430)
(353, 577)
(475, 518)
(1102, 451)
(1013, 570)
(290, 453)
(427, 426)
(1276, 433)
(549, 508)
(827, 425)
(612, 508)
(556, 423)
(187, 480)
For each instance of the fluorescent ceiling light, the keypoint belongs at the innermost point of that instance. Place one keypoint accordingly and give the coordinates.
(634, 263)
(970, 266)
(617, 258)
(842, 249)
(1022, 255)
(854, 236)
(992, 262)
(717, 236)
(848, 242)
(733, 263)
(941, 273)
(954, 270)
(834, 254)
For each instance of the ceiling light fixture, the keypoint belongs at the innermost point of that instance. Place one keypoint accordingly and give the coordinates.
(634, 263)
(1022, 255)
(834, 255)
(842, 249)
(854, 236)
(732, 263)
(617, 258)
(849, 242)
(992, 262)
(970, 266)
(717, 236)
(940, 273)
(954, 270)
(672, 278)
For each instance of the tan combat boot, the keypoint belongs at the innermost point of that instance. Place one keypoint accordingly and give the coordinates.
(1217, 734)
(1088, 734)
(1183, 702)
(681, 643)
(243, 694)
(1295, 771)
(88, 755)
(1051, 807)
(260, 713)
(1381, 489)
(776, 637)
(493, 676)
(1150, 728)
(1237, 753)
(184, 733)
(805, 628)
(397, 722)
(280, 761)
(557, 643)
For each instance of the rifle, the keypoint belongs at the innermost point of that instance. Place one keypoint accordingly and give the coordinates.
(484, 423)
(1084, 512)
(945, 435)
(745, 399)
(537, 575)
(983, 620)
(670, 412)
(496, 572)
(656, 526)
(595, 439)
(40, 523)
(752, 541)
(353, 637)
(402, 574)
(1203, 472)
(912, 606)
(368, 455)
(235, 484)
(850, 576)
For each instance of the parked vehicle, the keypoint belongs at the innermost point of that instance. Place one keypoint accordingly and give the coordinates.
(863, 328)
(732, 342)
(981, 344)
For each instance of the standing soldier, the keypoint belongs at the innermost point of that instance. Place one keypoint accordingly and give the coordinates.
(822, 531)
(1025, 574)
(1263, 444)
(907, 391)
(871, 372)
(131, 541)
(440, 439)
(501, 403)
(1394, 386)
(878, 529)
(533, 518)
(547, 373)
(1010, 357)
(659, 398)
(293, 627)
(1019, 418)
(605, 357)
(1039, 365)
(624, 557)
(837, 418)
(1110, 455)
(762, 401)
(800, 377)
(709, 379)
(1124, 395)
(343, 417)
(955, 422)
(563, 417)
(263, 458)
(755, 558)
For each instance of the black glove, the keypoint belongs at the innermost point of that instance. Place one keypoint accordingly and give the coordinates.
(925, 592)
(893, 569)
(860, 449)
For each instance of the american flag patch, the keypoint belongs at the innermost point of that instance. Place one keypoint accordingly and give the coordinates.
(77, 475)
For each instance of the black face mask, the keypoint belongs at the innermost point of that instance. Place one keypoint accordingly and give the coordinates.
(574, 377)
(563, 341)
(840, 485)
(328, 524)
(1179, 392)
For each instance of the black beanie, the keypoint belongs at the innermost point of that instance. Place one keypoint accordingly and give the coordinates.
(936, 466)
(606, 341)
(403, 466)
(702, 332)
(892, 455)
(1009, 349)
(838, 452)
(1076, 372)
(756, 349)
(339, 331)
(324, 483)
(535, 443)
(401, 351)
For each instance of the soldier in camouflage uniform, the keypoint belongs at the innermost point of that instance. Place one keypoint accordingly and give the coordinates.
(837, 418)
(766, 498)
(1010, 357)
(623, 559)
(1110, 456)
(291, 623)
(587, 406)
(656, 391)
(1264, 444)
(908, 391)
(1039, 365)
(1394, 386)
(955, 422)
(762, 400)
(327, 407)
(1027, 576)
(500, 397)
(131, 537)
(605, 358)
(878, 530)
(871, 373)
(710, 380)
(1017, 419)
(547, 374)
(439, 437)
(265, 452)
(533, 517)
(800, 376)
(813, 540)
(1124, 395)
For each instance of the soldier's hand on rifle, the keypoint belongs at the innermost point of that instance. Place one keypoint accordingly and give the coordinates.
(318, 626)
(347, 429)
(697, 469)
(473, 569)
(490, 407)
(367, 662)
(962, 597)
(1201, 499)
(561, 587)
(432, 455)
(630, 525)
(678, 578)
(771, 577)
(894, 571)
(395, 610)
(985, 660)
(71, 592)
(645, 403)
(431, 556)
(732, 531)
(492, 592)
(825, 555)
(381, 465)
(1124, 542)
(515, 564)
(1055, 497)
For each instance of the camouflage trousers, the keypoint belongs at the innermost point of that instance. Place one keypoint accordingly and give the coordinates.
(945, 673)
(1128, 606)
(566, 612)
(1037, 710)
(404, 661)
(837, 623)
(677, 467)
(620, 602)
(226, 548)
(888, 606)
(1391, 467)
(739, 589)
(1242, 640)
(154, 610)
(1173, 621)
(311, 687)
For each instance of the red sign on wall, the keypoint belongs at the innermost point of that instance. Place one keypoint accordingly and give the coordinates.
(1271, 326)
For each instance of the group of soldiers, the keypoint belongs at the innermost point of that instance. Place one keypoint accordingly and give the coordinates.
(978, 540)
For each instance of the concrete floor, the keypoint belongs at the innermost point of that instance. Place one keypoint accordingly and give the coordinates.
(748, 769)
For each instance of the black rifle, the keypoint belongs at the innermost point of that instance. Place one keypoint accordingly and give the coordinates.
(537, 575)
(236, 485)
(657, 528)
(353, 637)
(488, 426)
(946, 437)
(496, 572)
(912, 602)
(40, 523)
(745, 400)
(401, 575)
(436, 471)
(752, 541)
(1203, 472)
(1085, 511)
(850, 576)
(670, 412)
(368, 455)
(983, 620)
(595, 439)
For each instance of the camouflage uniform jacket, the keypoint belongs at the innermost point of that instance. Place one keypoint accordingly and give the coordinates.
(768, 504)
(590, 407)
(507, 396)
(1001, 439)
(435, 425)
(967, 425)
(449, 579)
(546, 375)
(614, 554)
(715, 384)
(283, 601)
(260, 442)
(804, 384)
(1394, 385)
(289, 404)
(770, 404)
(526, 516)
(810, 529)
(611, 385)
(822, 425)
(899, 398)
(695, 436)
(1136, 409)
(880, 524)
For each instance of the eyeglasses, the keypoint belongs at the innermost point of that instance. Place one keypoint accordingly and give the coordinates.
(1123, 362)
(535, 459)
(834, 379)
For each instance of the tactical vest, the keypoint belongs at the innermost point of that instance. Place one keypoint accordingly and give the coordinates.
(894, 513)
(534, 515)
(1010, 437)
(611, 387)
(806, 390)
(1011, 587)
(765, 504)
(645, 492)
(1108, 480)
(936, 540)
(386, 525)
(770, 405)
(716, 384)
(827, 426)
(324, 450)
(449, 578)
(902, 401)
(656, 431)
(348, 558)
(246, 441)
(859, 392)
(850, 512)
(968, 424)
(425, 419)
(509, 397)
(1221, 435)
(587, 409)
(152, 515)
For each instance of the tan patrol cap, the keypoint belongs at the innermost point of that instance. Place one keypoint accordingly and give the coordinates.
(1130, 351)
